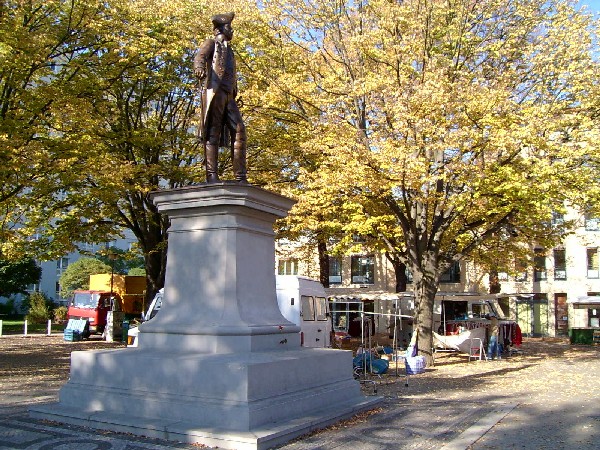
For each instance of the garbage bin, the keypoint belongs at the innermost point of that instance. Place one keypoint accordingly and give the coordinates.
(581, 336)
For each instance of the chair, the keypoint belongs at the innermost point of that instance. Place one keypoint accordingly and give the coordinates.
(476, 350)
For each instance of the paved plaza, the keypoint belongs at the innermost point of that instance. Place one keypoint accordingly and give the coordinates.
(547, 397)
(396, 426)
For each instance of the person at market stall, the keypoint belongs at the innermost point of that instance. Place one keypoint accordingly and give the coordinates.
(493, 331)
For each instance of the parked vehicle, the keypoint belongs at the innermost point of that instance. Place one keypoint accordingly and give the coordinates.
(155, 305)
(303, 302)
(94, 304)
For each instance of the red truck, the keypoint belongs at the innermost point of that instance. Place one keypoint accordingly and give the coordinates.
(128, 294)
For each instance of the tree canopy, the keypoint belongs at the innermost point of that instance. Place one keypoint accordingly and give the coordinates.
(77, 275)
(17, 275)
(109, 114)
(437, 130)
(445, 127)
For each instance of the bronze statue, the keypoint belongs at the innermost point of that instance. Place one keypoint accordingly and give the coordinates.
(222, 123)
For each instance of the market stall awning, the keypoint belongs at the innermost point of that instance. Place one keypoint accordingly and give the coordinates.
(585, 302)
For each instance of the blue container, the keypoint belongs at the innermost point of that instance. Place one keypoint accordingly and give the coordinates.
(361, 359)
(379, 366)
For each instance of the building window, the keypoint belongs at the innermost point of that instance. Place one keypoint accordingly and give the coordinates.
(62, 263)
(592, 223)
(592, 263)
(539, 265)
(335, 270)
(560, 264)
(61, 266)
(362, 269)
(593, 313)
(558, 219)
(452, 274)
(520, 271)
(87, 247)
(288, 267)
(594, 318)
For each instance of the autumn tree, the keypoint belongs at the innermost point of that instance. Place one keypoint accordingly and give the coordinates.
(443, 124)
(108, 91)
(124, 119)
(142, 118)
(17, 275)
(36, 37)
(77, 275)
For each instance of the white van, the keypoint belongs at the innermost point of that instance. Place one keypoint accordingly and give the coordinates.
(303, 302)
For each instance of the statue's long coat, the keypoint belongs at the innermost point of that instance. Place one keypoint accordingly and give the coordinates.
(220, 80)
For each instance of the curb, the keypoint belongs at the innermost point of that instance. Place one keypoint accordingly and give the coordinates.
(472, 434)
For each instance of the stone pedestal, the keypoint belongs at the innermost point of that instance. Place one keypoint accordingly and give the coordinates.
(219, 364)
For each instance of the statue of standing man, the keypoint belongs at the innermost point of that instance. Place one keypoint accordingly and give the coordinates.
(222, 123)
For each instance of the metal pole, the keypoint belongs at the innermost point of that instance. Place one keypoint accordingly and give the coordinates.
(444, 318)
(112, 256)
(395, 339)
(112, 275)
(362, 340)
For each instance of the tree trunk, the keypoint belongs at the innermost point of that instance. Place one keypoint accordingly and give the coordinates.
(156, 262)
(323, 262)
(153, 241)
(399, 272)
(425, 288)
(495, 286)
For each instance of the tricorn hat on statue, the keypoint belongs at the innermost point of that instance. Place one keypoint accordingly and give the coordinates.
(222, 19)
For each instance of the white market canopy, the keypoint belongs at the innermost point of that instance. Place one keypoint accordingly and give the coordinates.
(387, 296)
(585, 302)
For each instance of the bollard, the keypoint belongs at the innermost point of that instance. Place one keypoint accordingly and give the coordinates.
(25, 331)
(0, 328)
(49, 327)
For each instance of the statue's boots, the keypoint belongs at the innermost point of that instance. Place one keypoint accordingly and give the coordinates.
(211, 161)
(239, 154)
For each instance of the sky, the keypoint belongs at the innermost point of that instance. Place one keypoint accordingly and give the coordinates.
(594, 5)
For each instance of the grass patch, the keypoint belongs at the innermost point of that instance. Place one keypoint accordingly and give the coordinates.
(12, 326)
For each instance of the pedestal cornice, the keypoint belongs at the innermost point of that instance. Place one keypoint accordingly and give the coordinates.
(180, 201)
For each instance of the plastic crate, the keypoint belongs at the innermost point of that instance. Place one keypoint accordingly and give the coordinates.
(75, 330)
(72, 335)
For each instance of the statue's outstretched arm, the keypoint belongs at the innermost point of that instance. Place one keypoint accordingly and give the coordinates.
(203, 58)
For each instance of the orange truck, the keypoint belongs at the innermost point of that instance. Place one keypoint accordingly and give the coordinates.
(93, 304)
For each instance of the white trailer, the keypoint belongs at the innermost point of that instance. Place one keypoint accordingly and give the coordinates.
(303, 302)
